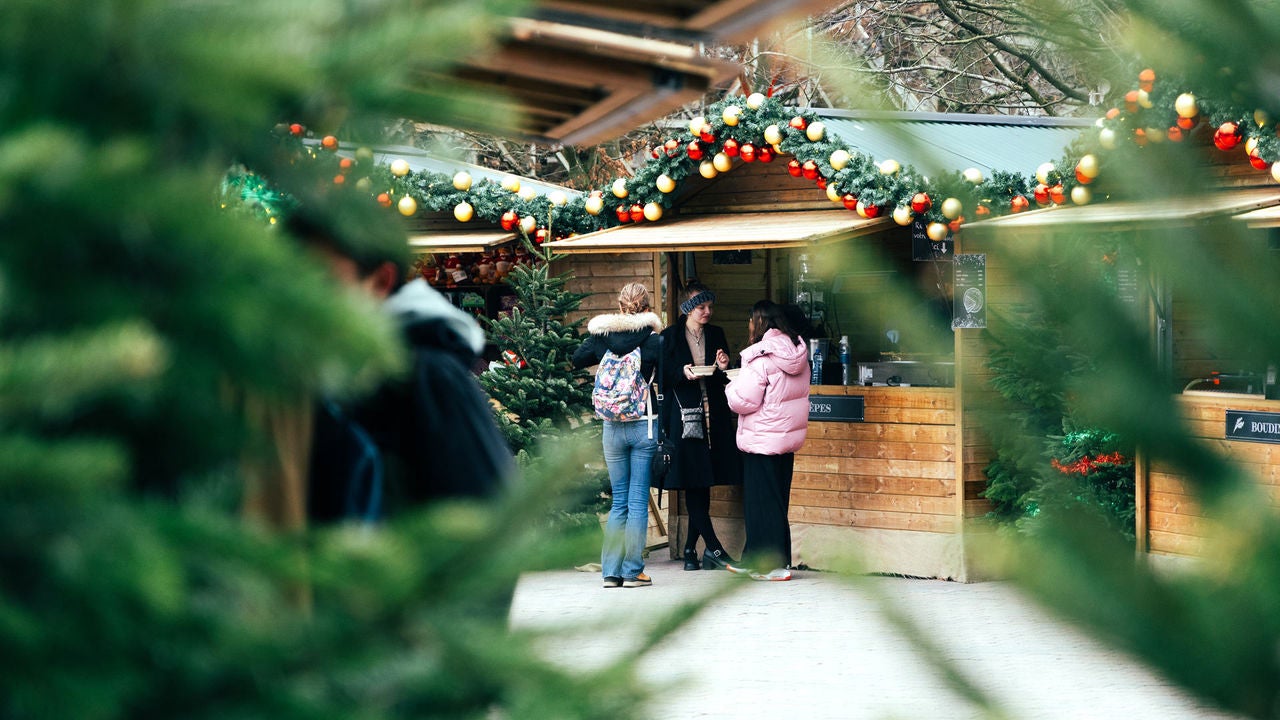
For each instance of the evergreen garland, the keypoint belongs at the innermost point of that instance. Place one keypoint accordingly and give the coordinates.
(873, 187)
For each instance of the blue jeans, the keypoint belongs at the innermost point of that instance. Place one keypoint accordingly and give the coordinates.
(628, 450)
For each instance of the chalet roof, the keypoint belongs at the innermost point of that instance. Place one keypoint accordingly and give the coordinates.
(1241, 203)
(934, 142)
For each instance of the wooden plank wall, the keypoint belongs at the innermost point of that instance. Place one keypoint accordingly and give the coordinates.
(1175, 521)
(751, 187)
(738, 287)
(896, 471)
(604, 275)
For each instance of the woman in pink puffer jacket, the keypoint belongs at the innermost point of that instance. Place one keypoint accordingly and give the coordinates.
(771, 396)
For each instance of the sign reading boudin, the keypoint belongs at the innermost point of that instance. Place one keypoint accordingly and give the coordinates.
(1247, 425)
(837, 408)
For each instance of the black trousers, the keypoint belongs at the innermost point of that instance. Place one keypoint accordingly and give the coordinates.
(766, 498)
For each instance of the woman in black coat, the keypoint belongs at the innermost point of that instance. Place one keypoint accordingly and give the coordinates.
(712, 459)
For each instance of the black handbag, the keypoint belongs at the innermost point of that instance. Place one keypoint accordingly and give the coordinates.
(665, 451)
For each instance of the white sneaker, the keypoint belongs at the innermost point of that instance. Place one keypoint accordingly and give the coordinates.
(776, 575)
(739, 570)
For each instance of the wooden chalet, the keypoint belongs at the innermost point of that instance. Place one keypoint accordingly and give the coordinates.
(896, 473)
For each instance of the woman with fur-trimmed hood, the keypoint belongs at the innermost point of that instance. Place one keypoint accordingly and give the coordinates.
(629, 446)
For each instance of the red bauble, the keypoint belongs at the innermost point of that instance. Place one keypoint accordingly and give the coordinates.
(1041, 194)
(655, 152)
(1174, 133)
(1131, 101)
(1082, 178)
(1188, 123)
(920, 203)
(329, 143)
(871, 211)
(707, 137)
(346, 164)
(541, 236)
(954, 225)
(793, 167)
(765, 154)
(747, 152)
(981, 210)
(297, 129)
(1057, 194)
(694, 150)
(809, 170)
(850, 202)
(384, 200)
(1227, 136)
(509, 220)
(1019, 203)
(798, 123)
(624, 215)
(821, 182)
(1258, 163)
(339, 179)
(731, 147)
(671, 147)
(637, 212)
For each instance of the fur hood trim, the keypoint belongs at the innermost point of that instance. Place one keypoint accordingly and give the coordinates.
(618, 322)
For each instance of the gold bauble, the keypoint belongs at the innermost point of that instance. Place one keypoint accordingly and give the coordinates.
(755, 100)
(890, 167)
(511, 183)
(399, 167)
(594, 204)
(773, 134)
(557, 197)
(620, 188)
(1186, 106)
(722, 162)
(652, 211)
(839, 159)
(407, 206)
(731, 114)
(463, 212)
(815, 131)
(462, 181)
(528, 224)
(1081, 195)
(707, 169)
(664, 183)
(937, 231)
(951, 208)
(973, 176)
(903, 215)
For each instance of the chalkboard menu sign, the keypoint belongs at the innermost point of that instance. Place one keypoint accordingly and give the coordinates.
(969, 306)
(730, 257)
(837, 408)
(923, 249)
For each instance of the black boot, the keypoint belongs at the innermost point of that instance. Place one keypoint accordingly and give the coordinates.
(716, 560)
(691, 559)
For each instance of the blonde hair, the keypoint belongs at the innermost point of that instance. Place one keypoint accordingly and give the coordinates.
(633, 298)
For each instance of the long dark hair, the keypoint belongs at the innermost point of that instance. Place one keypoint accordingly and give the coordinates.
(767, 314)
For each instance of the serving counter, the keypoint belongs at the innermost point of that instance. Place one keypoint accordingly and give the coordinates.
(1242, 429)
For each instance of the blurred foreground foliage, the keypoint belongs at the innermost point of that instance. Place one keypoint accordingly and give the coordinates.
(1212, 623)
(115, 608)
(135, 313)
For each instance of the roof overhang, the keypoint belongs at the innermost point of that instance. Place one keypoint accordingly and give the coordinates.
(469, 241)
(731, 231)
(1125, 213)
(580, 72)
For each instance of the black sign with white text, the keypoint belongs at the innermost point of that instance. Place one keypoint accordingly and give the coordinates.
(1246, 425)
(837, 408)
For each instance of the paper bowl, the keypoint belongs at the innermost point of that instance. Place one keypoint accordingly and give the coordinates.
(732, 372)
(703, 370)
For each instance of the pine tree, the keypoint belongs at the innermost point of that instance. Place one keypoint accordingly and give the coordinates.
(539, 390)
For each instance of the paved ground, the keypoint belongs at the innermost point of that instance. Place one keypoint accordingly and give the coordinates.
(818, 647)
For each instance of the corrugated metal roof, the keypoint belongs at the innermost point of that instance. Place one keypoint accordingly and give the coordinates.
(934, 142)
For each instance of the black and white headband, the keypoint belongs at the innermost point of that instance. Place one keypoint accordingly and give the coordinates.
(705, 296)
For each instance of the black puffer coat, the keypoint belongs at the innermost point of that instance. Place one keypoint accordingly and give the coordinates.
(698, 463)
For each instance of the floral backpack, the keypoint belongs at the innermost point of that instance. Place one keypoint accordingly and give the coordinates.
(621, 392)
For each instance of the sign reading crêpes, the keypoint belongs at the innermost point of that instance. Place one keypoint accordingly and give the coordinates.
(837, 408)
